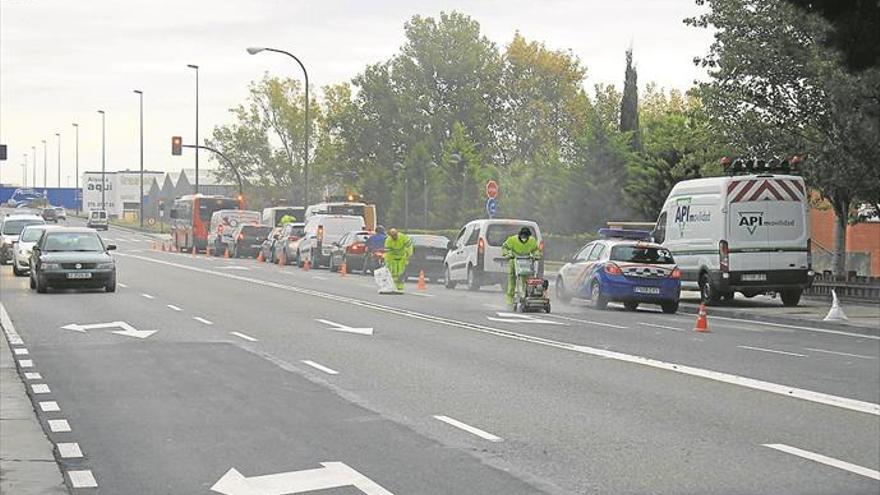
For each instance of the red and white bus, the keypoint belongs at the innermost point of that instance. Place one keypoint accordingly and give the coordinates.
(191, 219)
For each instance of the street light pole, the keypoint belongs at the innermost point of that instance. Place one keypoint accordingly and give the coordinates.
(77, 194)
(141, 95)
(103, 157)
(256, 50)
(196, 68)
(402, 167)
(58, 135)
(34, 155)
(425, 189)
(24, 172)
(45, 165)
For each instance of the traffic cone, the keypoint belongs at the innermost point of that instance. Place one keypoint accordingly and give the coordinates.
(207, 250)
(307, 265)
(343, 270)
(226, 253)
(282, 259)
(194, 251)
(836, 312)
(260, 257)
(702, 324)
(163, 246)
(421, 283)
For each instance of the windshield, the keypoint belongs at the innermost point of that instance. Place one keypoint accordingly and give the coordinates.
(14, 227)
(72, 241)
(497, 233)
(641, 254)
(207, 207)
(337, 227)
(31, 234)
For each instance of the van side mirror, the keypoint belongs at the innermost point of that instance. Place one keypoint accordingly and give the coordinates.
(111, 247)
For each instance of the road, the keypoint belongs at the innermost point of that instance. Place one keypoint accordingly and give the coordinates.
(257, 374)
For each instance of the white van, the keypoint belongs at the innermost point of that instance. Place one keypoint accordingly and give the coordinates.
(223, 222)
(474, 256)
(748, 234)
(97, 220)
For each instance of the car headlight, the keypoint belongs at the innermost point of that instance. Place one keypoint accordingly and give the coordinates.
(50, 266)
(104, 266)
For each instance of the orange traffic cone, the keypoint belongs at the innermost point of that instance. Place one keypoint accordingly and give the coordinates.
(307, 265)
(208, 250)
(343, 270)
(226, 253)
(421, 283)
(702, 324)
(260, 257)
(282, 259)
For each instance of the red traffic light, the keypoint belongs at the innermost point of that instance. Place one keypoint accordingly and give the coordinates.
(176, 145)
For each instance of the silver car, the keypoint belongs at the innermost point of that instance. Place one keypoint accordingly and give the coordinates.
(10, 228)
(21, 254)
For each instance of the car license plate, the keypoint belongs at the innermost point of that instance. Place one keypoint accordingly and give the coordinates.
(647, 290)
(434, 257)
(79, 275)
(754, 277)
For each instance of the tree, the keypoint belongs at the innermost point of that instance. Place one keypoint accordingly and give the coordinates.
(629, 104)
(856, 29)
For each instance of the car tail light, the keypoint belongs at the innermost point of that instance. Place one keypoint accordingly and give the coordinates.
(220, 229)
(240, 237)
(724, 256)
(676, 273)
(481, 246)
(541, 246)
(612, 269)
(356, 248)
(810, 253)
(292, 238)
(320, 234)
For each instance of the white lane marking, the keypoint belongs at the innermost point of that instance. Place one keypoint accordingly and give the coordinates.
(243, 336)
(331, 475)
(40, 388)
(148, 296)
(809, 329)
(590, 322)
(58, 425)
(662, 326)
(26, 363)
(122, 285)
(171, 306)
(202, 320)
(345, 328)
(824, 459)
(20, 351)
(505, 317)
(750, 348)
(318, 277)
(11, 334)
(235, 267)
(49, 406)
(741, 381)
(82, 479)
(33, 376)
(321, 367)
(421, 294)
(69, 450)
(839, 353)
(485, 435)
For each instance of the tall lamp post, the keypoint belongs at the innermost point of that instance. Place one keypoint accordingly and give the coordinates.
(45, 164)
(400, 166)
(58, 135)
(77, 194)
(428, 167)
(103, 156)
(256, 50)
(34, 156)
(141, 95)
(196, 68)
(24, 172)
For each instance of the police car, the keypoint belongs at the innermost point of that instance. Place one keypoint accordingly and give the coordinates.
(624, 267)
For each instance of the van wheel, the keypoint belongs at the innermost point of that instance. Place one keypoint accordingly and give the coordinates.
(561, 293)
(447, 279)
(791, 297)
(599, 300)
(708, 294)
(473, 281)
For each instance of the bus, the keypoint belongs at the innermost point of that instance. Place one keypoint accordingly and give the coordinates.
(191, 219)
(368, 212)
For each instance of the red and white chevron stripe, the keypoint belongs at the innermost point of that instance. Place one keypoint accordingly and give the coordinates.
(776, 189)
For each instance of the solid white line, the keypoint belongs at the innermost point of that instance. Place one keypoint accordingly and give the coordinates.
(69, 450)
(33, 376)
(823, 459)
(774, 388)
(590, 322)
(49, 406)
(20, 351)
(662, 326)
(171, 306)
(202, 320)
(485, 435)
(122, 285)
(748, 347)
(839, 353)
(319, 277)
(148, 296)
(82, 479)
(58, 425)
(809, 329)
(40, 388)
(321, 367)
(243, 336)
(421, 294)
(11, 334)
(26, 363)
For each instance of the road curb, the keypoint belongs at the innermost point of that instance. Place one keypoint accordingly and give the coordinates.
(784, 320)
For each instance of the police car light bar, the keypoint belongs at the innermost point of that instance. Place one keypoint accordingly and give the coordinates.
(633, 235)
(756, 165)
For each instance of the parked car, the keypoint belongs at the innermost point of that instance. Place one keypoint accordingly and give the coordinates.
(267, 248)
(10, 229)
(223, 223)
(61, 213)
(70, 257)
(288, 245)
(21, 252)
(98, 220)
(625, 268)
(321, 231)
(247, 240)
(350, 250)
(474, 257)
(429, 252)
(49, 214)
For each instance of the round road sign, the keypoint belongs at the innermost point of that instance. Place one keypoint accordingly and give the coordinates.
(492, 189)
(151, 221)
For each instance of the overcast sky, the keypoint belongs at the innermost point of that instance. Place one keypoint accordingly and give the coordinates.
(62, 60)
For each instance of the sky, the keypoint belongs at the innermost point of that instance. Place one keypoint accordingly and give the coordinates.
(61, 61)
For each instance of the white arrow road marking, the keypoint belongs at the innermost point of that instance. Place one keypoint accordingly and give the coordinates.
(127, 330)
(521, 318)
(343, 328)
(823, 459)
(332, 475)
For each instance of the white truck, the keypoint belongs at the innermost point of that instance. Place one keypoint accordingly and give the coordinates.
(747, 234)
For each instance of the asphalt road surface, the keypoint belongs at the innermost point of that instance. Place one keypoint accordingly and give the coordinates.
(259, 379)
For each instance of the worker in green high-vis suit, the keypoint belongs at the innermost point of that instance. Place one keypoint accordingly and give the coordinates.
(522, 244)
(398, 249)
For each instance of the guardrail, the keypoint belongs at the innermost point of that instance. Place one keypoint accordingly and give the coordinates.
(851, 287)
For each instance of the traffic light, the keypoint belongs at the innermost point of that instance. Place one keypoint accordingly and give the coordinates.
(176, 145)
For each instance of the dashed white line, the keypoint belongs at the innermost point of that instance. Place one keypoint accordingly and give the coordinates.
(58, 425)
(318, 277)
(202, 320)
(243, 336)
(823, 459)
(590, 322)
(796, 327)
(422, 294)
(40, 388)
(173, 307)
(839, 353)
(82, 479)
(49, 406)
(485, 435)
(20, 351)
(662, 326)
(33, 376)
(321, 367)
(25, 363)
(69, 450)
(148, 296)
(122, 285)
(750, 348)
